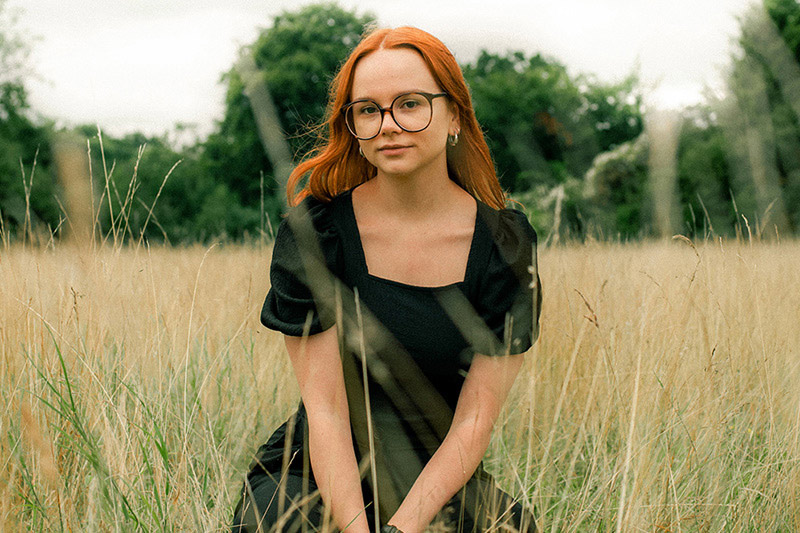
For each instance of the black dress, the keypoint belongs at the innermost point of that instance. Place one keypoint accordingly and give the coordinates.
(414, 346)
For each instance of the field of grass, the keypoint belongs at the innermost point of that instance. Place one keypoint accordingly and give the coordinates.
(663, 395)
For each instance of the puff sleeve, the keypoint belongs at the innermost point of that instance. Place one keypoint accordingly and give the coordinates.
(510, 291)
(306, 259)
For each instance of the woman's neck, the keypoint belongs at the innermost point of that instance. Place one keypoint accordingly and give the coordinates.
(413, 197)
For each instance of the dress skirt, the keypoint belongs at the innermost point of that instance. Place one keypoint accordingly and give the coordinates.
(275, 497)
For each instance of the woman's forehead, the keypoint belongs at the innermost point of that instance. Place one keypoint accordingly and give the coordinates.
(385, 73)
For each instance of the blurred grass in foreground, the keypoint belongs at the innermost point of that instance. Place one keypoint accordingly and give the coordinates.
(663, 394)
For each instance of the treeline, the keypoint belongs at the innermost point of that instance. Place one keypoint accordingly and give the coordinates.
(584, 156)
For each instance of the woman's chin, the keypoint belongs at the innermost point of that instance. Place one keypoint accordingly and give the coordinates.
(397, 170)
(406, 168)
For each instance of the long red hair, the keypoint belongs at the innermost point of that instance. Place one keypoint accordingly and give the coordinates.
(336, 166)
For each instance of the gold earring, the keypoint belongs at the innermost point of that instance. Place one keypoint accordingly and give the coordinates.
(452, 140)
(360, 151)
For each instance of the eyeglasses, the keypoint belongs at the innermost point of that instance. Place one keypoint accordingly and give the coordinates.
(412, 112)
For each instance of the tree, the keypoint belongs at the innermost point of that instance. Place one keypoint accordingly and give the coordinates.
(616, 190)
(614, 109)
(704, 177)
(524, 106)
(297, 57)
(762, 117)
(542, 126)
(545, 129)
(26, 188)
(161, 192)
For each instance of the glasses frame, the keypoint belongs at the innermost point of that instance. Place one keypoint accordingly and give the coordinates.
(428, 96)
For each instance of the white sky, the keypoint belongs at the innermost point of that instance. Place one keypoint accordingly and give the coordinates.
(145, 65)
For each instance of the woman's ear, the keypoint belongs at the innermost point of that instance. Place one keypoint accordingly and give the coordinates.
(455, 117)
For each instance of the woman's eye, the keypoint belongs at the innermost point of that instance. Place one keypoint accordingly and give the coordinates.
(368, 110)
(409, 104)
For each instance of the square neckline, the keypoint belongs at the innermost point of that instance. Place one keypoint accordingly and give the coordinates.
(362, 258)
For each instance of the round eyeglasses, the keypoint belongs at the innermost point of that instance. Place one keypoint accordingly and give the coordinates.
(412, 112)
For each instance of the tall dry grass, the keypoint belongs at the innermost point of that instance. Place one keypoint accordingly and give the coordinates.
(663, 394)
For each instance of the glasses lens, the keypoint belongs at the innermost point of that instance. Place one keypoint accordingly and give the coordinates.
(364, 119)
(412, 112)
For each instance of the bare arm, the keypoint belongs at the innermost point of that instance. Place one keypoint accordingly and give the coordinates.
(482, 396)
(318, 368)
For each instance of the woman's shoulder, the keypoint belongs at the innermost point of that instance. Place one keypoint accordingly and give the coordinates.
(506, 281)
(320, 211)
(313, 210)
(511, 232)
(310, 228)
(321, 218)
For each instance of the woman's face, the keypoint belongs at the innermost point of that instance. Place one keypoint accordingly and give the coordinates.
(383, 75)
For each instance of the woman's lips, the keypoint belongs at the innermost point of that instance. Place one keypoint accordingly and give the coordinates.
(393, 149)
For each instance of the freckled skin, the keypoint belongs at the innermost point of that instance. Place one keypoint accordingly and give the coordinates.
(381, 76)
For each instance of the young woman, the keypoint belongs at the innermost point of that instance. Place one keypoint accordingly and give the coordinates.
(407, 294)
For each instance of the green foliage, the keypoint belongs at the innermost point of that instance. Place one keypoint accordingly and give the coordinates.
(523, 104)
(558, 212)
(297, 57)
(569, 147)
(218, 187)
(704, 178)
(616, 191)
(543, 126)
(786, 16)
(545, 129)
(166, 194)
(26, 187)
(763, 119)
(739, 156)
(738, 159)
(615, 110)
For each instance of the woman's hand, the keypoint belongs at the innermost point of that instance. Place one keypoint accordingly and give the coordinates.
(482, 397)
(318, 368)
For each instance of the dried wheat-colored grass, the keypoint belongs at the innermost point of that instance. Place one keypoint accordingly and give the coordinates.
(662, 395)
(680, 409)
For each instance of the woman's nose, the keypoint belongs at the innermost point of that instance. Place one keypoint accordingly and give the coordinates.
(388, 124)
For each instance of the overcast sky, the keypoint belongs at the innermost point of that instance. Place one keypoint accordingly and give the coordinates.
(144, 65)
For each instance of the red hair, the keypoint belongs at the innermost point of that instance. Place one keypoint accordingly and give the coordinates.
(336, 166)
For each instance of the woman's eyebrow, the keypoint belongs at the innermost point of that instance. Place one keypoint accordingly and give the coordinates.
(398, 93)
